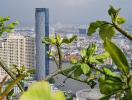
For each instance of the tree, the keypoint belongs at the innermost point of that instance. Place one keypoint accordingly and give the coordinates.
(110, 84)
(19, 74)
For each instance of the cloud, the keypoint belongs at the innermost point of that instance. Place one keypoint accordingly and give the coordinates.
(65, 11)
(73, 2)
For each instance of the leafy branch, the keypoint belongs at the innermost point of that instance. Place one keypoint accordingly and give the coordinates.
(7, 28)
(19, 74)
(91, 64)
(107, 29)
(124, 32)
(4, 66)
(10, 86)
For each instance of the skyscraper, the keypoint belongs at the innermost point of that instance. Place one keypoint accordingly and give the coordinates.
(41, 29)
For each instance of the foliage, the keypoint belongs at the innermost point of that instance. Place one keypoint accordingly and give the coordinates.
(42, 92)
(105, 30)
(6, 27)
(7, 85)
(117, 56)
(91, 65)
(120, 85)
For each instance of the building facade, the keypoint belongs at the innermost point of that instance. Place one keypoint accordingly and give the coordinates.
(18, 50)
(41, 30)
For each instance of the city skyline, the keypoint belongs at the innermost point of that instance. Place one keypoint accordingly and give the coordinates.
(69, 12)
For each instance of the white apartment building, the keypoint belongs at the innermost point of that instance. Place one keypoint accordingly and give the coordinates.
(18, 50)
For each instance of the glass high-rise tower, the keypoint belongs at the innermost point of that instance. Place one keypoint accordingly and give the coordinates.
(41, 29)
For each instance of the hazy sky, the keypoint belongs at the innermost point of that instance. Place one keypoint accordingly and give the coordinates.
(64, 11)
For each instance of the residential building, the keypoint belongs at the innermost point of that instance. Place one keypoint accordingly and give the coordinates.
(18, 50)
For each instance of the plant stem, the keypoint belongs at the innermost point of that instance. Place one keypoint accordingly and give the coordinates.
(102, 72)
(4, 66)
(120, 29)
(69, 75)
(54, 59)
(59, 52)
(53, 74)
(61, 71)
(10, 86)
(60, 56)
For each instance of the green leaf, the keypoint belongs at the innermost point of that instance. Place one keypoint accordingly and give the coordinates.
(49, 40)
(10, 26)
(102, 56)
(42, 91)
(83, 52)
(69, 40)
(77, 73)
(108, 86)
(59, 40)
(113, 13)
(107, 31)
(106, 97)
(85, 68)
(67, 71)
(120, 20)
(52, 40)
(128, 96)
(3, 19)
(78, 70)
(16, 22)
(73, 38)
(109, 72)
(13, 24)
(73, 68)
(66, 40)
(4, 27)
(7, 18)
(46, 40)
(91, 50)
(73, 61)
(50, 53)
(112, 76)
(97, 61)
(94, 26)
(117, 56)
